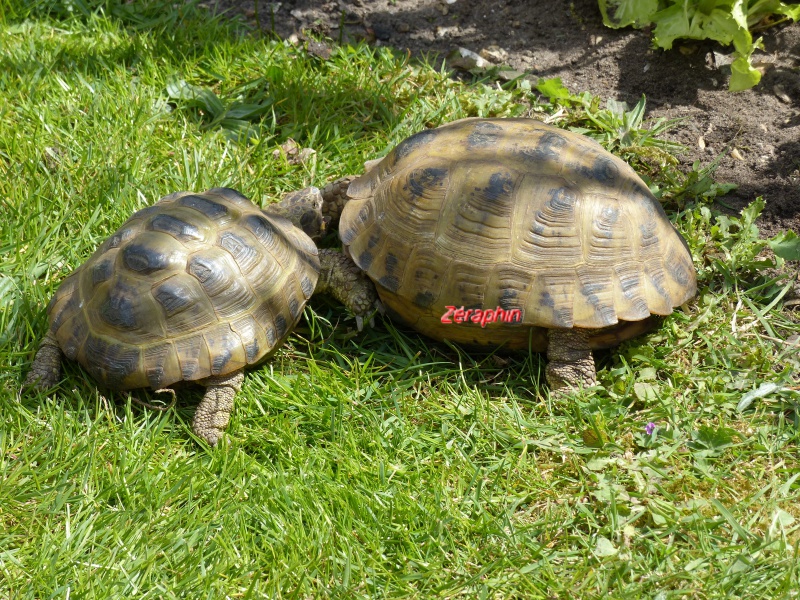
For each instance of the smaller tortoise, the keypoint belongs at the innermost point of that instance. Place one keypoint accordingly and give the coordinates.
(195, 288)
(513, 214)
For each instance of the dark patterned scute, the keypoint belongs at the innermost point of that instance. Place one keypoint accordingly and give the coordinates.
(414, 143)
(517, 215)
(176, 293)
(209, 208)
(175, 227)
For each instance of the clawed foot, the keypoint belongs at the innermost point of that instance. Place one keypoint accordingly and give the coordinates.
(378, 308)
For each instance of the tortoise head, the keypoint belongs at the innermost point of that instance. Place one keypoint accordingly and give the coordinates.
(304, 209)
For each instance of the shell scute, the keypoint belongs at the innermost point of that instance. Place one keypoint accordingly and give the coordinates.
(208, 208)
(252, 335)
(245, 254)
(117, 366)
(160, 360)
(225, 349)
(413, 143)
(176, 227)
(193, 357)
(484, 135)
(151, 252)
(119, 307)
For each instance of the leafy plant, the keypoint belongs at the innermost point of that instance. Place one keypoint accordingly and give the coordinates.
(725, 21)
(786, 245)
(235, 118)
(616, 127)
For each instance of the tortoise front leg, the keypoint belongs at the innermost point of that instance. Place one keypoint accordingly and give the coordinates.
(46, 368)
(570, 362)
(214, 412)
(342, 278)
(334, 197)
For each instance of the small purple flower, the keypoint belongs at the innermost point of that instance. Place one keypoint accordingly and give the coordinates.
(650, 428)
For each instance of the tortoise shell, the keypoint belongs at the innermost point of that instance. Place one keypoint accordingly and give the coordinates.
(520, 215)
(196, 285)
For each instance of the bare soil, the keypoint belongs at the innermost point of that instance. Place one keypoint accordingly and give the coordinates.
(548, 38)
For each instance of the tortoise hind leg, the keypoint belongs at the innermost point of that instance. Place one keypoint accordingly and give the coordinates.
(570, 362)
(46, 368)
(214, 412)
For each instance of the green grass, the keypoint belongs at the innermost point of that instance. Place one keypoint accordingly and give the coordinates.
(374, 464)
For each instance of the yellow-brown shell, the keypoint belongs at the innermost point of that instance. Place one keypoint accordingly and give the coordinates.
(517, 214)
(194, 286)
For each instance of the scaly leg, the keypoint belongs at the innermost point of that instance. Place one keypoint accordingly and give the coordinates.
(46, 368)
(341, 278)
(214, 412)
(570, 362)
(334, 197)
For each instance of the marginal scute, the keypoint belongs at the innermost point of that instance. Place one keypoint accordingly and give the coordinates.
(516, 214)
(65, 303)
(424, 299)
(160, 360)
(112, 363)
(193, 357)
(252, 337)
(225, 348)
(307, 286)
(72, 336)
(116, 240)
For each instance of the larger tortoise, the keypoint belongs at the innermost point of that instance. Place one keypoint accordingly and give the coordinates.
(516, 215)
(194, 288)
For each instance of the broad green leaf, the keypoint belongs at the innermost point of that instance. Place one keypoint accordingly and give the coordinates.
(646, 392)
(743, 75)
(763, 390)
(621, 13)
(713, 438)
(604, 547)
(553, 89)
(675, 22)
(247, 111)
(786, 245)
(194, 95)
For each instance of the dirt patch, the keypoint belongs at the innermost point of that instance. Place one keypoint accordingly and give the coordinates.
(553, 39)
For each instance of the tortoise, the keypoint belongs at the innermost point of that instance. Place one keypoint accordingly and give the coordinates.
(535, 236)
(194, 289)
